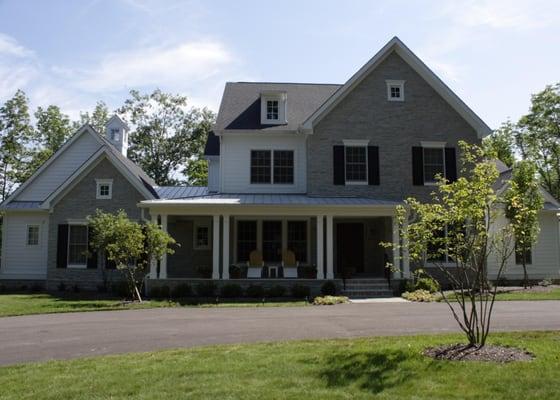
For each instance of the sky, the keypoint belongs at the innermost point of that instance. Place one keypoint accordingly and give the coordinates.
(493, 54)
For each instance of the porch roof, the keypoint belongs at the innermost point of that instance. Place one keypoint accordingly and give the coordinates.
(271, 199)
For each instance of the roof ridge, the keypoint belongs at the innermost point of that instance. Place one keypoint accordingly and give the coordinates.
(287, 83)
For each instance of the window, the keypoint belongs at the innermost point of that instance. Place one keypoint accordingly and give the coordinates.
(260, 166)
(272, 240)
(395, 90)
(297, 239)
(104, 189)
(272, 110)
(201, 236)
(356, 164)
(32, 235)
(519, 256)
(77, 245)
(114, 134)
(433, 164)
(283, 166)
(246, 239)
(262, 162)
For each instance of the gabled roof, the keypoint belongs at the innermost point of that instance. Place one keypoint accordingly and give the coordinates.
(116, 119)
(212, 147)
(396, 45)
(240, 109)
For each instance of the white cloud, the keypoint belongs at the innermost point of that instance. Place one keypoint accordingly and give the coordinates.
(10, 47)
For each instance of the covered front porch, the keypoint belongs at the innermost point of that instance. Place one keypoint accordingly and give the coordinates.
(226, 239)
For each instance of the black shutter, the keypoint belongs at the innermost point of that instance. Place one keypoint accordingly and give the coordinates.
(450, 164)
(62, 247)
(92, 253)
(338, 165)
(373, 165)
(417, 166)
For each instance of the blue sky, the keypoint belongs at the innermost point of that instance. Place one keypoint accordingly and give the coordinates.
(493, 54)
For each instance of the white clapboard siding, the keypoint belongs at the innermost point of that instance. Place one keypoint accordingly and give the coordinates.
(214, 173)
(545, 253)
(59, 170)
(235, 162)
(20, 260)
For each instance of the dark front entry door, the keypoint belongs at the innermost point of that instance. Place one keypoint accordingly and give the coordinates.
(350, 247)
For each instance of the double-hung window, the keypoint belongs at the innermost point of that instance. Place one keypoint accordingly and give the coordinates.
(32, 235)
(434, 164)
(519, 256)
(272, 166)
(356, 164)
(297, 239)
(77, 246)
(246, 239)
(272, 110)
(201, 236)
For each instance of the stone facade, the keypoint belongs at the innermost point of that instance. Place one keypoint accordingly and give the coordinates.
(394, 126)
(77, 204)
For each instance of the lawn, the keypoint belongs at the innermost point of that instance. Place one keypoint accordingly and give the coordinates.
(535, 293)
(373, 368)
(26, 304)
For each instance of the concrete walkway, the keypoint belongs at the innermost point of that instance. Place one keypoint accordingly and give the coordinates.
(64, 336)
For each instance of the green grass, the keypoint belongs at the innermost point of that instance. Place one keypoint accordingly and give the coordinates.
(373, 368)
(553, 294)
(27, 304)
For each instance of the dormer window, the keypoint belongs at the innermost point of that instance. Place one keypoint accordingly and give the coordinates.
(273, 108)
(114, 134)
(395, 90)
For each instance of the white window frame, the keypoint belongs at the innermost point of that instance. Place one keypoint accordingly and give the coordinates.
(114, 134)
(196, 226)
(432, 145)
(99, 184)
(272, 183)
(356, 143)
(76, 266)
(447, 262)
(392, 83)
(38, 235)
(281, 98)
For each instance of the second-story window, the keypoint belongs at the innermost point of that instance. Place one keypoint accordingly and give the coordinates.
(269, 166)
(272, 110)
(434, 164)
(356, 164)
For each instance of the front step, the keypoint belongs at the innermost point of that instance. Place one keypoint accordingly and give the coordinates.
(366, 288)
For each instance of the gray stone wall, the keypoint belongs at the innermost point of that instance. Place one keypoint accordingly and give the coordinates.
(186, 259)
(78, 204)
(393, 126)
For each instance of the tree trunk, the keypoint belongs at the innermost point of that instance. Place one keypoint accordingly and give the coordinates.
(525, 275)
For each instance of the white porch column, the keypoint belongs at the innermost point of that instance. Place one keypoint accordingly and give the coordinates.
(225, 245)
(320, 248)
(163, 263)
(216, 247)
(153, 261)
(406, 258)
(396, 249)
(330, 247)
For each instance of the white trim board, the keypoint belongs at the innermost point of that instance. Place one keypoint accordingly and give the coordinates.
(395, 44)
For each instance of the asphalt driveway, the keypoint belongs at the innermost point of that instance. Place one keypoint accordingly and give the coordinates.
(63, 336)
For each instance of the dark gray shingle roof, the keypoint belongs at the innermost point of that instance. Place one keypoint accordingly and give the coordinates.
(240, 107)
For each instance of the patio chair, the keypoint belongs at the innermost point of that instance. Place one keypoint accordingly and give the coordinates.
(255, 264)
(289, 264)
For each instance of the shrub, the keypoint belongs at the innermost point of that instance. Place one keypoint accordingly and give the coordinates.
(182, 290)
(76, 288)
(155, 292)
(255, 291)
(235, 272)
(328, 288)
(420, 295)
(231, 290)
(545, 282)
(206, 289)
(35, 288)
(276, 291)
(329, 300)
(162, 292)
(120, 289)
(424, 283)
(102, 288)
(61, 287)
(300, 291)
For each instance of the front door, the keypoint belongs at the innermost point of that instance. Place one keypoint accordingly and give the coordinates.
(350, 248)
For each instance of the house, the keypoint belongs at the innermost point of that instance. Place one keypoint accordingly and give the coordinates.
(303, 184)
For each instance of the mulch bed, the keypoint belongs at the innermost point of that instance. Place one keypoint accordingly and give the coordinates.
(490, 353)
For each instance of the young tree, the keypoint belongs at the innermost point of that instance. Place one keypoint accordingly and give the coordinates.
(537, 137)
(98, 118)
(197, 172)
(129, 245)
(523, 201)
(501, 142)
(459, 226)
(53, 128)
(166, 135)
(16, 133)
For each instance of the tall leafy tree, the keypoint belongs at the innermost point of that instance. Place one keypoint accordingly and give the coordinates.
(166, 135)
(16, 134)
(538, 137)
(53, 128)
(501, 143)
(98, 118)
(523, 201)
